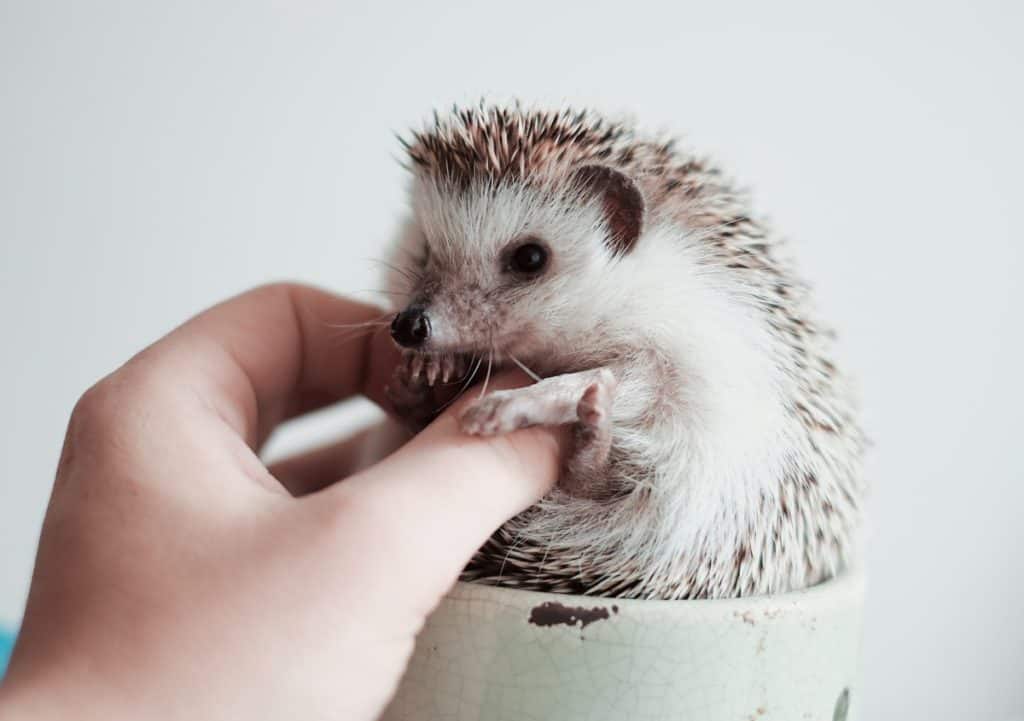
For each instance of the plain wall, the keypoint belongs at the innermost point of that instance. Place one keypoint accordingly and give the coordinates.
(156, 157)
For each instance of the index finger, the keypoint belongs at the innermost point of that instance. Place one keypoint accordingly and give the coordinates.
(276, 351)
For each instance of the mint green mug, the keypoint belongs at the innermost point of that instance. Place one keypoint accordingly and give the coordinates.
(499, 654)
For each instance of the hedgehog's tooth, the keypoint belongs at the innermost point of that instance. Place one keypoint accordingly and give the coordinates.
(433, 366)
(450, 367)
(416, 367)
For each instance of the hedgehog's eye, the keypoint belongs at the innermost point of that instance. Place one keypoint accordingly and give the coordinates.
(528, 259)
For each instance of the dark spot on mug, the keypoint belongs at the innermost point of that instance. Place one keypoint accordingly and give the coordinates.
(552, 613)
(842, 706)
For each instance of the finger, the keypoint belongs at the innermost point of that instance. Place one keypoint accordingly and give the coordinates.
(274, 352)
(430, 505)
(316, 469)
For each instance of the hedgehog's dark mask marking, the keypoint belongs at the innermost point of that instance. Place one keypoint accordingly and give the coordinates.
(621, 201)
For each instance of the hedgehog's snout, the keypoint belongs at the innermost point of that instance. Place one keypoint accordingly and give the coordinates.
(411, 327)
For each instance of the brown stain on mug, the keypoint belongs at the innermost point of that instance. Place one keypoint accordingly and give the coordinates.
(552, 613)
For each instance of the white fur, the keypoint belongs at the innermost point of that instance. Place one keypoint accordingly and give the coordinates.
(700, 411)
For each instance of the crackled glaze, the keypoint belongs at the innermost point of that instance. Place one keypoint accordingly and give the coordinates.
(495, 654)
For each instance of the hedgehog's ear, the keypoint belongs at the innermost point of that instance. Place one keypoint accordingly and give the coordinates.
(621, 200)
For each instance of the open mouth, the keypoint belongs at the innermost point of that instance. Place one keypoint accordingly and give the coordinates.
(439, 368)
(426, 364)
(463, 368)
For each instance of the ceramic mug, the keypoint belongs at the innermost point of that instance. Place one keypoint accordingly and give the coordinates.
(499, 654)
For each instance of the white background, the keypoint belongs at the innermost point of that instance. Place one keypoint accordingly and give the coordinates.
(156, 157)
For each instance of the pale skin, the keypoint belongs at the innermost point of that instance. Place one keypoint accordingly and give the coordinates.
(178, 577)
(581, 400)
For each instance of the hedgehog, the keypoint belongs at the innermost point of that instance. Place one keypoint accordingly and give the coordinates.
(716, 450)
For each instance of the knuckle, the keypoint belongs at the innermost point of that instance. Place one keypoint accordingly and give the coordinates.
(95, 419)
(96, 407)
(110, 408)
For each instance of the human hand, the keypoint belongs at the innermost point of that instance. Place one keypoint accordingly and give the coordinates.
(177, 577)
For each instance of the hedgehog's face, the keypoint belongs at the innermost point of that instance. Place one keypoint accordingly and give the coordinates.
(509, 270)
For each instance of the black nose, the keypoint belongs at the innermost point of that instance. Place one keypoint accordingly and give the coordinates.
(410, 328)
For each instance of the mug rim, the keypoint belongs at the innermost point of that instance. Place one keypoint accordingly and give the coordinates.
(844, 588)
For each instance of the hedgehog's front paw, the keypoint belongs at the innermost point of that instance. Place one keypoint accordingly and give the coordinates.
(594, 407)
(496, 413)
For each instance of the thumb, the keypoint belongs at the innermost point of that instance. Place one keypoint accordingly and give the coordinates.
(437, 500)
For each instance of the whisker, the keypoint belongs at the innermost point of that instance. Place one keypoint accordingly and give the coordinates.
(469, 381)
(524, 369)
(352, 334)
(382, 291)
(460, 379)
(487, 378)
(407, 273)
(377, 319)
(381, 321)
